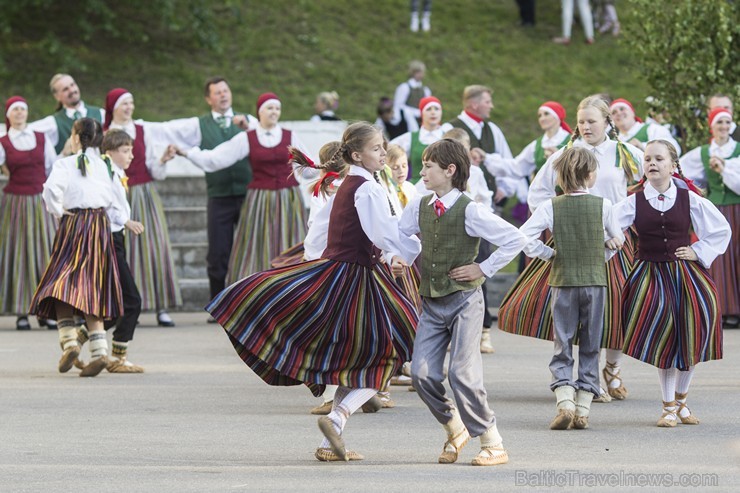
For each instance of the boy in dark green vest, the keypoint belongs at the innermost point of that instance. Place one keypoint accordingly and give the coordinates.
(451, 225)
(578, 279)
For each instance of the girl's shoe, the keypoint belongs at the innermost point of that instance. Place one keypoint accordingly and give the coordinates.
(164, 319)
(21, 323)
(323, 409)
(326, 455)
(619, 393)
(48, 323)
(690, 419)
(669, 418)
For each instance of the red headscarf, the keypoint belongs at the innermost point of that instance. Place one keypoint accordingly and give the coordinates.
(265, 98)
(624, 102)
(716, 113)
(11, 102)
(557, 109)
(426, 102)
(110, 104)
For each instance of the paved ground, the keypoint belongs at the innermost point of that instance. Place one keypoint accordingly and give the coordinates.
(199, 420)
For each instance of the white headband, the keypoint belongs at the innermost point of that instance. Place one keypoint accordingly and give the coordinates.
(618, 104)
(120, 99)
(551, 111)
(719, 115)
(16, 105)
(273, 100)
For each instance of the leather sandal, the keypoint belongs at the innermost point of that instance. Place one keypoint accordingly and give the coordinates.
(335, 439)
(664, 422)
(619, 393)
(491, 456)
(690, 419)
(326, 455)
(455, 443)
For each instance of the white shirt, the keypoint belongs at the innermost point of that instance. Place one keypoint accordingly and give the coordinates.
(318, 231)
(543, 219)
(477, 188)
(654, 131)
(611, 182)
(121, 201)
(524, 164)
(709, 224)
(403, 91)
(48, 125)
(498, 163)
(67, 189)
(426, 137)
(25, 140)
(480, 222)
(317, 118)
(693, 167)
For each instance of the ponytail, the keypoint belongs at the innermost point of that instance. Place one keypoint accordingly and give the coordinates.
(86, 130)
(332, 169)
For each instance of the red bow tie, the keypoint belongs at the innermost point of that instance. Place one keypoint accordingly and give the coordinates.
(439, 208)
(661, 197)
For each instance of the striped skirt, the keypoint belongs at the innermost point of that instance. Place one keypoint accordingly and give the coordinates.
(409, 284)
(319, 323)
(150, 254)
(82, 270)
(725, 270)
(526, 308)
(671, 315)
(25, 247)
(270, 222)
(291, 256)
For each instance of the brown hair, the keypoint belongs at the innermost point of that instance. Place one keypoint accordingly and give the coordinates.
(114, 139)
(459, 135)
(326, 154)
(212, 81)
(572, 168)
(87, 131)
(445, 152)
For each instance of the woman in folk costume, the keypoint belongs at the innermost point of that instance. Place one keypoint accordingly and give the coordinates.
(633, 130)
(551, 118)
(716, 166)
(526, 308)
(149, 254)
(414, 143)
(309, 323)
(82, 277)
(671, 312)
(273, 217)
(27, 228)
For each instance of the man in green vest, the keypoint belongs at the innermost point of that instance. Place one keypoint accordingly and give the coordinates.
(70, 107)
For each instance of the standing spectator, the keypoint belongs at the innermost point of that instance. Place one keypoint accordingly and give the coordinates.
(426, 16)
(325, 106)
(584, 10)
(409, 94)
(605, 17)
(391, 122)
(526, 12)
(70, 107)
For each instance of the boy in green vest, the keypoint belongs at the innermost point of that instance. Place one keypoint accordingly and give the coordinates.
(578, 280)
(451, 225)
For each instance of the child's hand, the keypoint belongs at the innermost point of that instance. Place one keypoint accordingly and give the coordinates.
(469, 272)
(397, 266)
(637, 144)
(4, 170)
(686, 253)
(613, 243)
(477, 155)
(240, 121)
(717, 164)
(169, 154)
(134, 226)
(549, 151)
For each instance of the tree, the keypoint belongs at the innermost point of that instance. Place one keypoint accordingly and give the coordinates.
(688, 50)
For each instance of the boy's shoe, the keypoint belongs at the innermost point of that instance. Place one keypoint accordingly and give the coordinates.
(491, 456)
(326, 455)
(485, 342)
(385, 398)
(94, 367)
(164, 319)
(335, 439)
(323, 409)
(453, 446)
(116, 365)
(400, 380)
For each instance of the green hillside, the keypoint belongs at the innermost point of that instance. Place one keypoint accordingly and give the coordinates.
(298, 48)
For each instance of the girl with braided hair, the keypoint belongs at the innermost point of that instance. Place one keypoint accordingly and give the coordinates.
(309, 323)
(82, 277)
(526, 307)
(670, 307)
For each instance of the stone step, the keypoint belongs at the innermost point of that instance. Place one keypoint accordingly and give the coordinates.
(189, 218)
(195, 294)
(190, 260)
(183, 191)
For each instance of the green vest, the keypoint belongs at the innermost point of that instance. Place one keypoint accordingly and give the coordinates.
(64, 124)
(642, 135)
(415, 96)
(445, 245)
(578, 233)
(485, 142)
(417, 149)
(231, 181)
(719, 194)
(539, 153)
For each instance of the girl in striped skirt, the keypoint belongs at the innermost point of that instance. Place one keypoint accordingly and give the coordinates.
(716, 166)
(82, 277)
(526, 308)
(273, 216)
(670, 308)
(27, 228)
(310, 323)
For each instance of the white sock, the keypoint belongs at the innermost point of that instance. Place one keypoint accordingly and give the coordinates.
(98, 345)
(667, 383)
(346, 402)
(682, 387)
(67, 333)
(329, 393)
(613, 358)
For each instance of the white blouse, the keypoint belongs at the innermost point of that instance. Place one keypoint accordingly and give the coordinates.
(118, 222)
(25, 140)
(524, 164)
(693, 167)
(709, 224)
(426, 137)
(654, 131)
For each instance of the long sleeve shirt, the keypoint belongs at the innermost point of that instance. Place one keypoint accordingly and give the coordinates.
(693, 167)
(25, 140)
(48, 125)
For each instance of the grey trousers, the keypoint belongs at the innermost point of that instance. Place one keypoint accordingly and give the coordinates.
(455, 319)
(572, 306)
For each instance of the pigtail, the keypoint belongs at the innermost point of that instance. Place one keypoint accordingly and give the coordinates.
(689, 183)
(612, 133)
(573, 137)
(376, 175)
(332, 169)
(86, 130)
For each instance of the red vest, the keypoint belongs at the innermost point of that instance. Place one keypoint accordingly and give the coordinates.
(347, 242)
(138, 173)
(27, 168)
(661, 233)
(270, 165)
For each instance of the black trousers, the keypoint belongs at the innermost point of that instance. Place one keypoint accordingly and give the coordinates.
(126, 323)
(526, 11)
(223, 216)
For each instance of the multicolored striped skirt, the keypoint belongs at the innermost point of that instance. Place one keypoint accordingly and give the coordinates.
(409, 284)
(671, 315)
(82, 270)
(526, 308)
(319, 323)
(725, 270)
(26, 236)
(270, 222)
(150, 254)
(291, 256)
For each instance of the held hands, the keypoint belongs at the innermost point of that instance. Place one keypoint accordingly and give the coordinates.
(397, 266)
(613, 243)
(466, 273)
(169, 154)
(717, 164)
(686, 253)
(240, 121)
(134, 226)
(499, 196)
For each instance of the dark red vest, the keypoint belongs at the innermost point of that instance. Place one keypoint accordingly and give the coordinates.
(27, 168)
(347, 242)
(270, 165)
(138, 173)
(661, 233)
